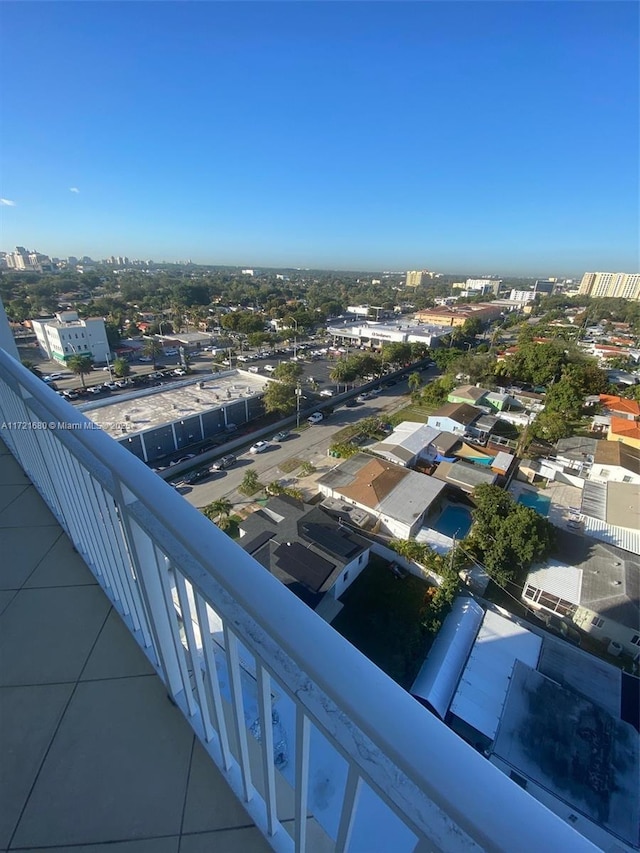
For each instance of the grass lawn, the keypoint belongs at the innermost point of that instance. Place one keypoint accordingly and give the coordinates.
(290, 465)
(381, 618)
(412, 412)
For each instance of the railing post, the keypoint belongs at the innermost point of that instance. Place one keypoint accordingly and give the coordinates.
(147, 570)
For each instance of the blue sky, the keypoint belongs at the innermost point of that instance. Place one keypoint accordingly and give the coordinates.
(465, 137)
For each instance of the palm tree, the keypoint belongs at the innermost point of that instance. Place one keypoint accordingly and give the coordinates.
(80, 365)
(414, 382)
(218, 509)
(152, 349)
(340, 373)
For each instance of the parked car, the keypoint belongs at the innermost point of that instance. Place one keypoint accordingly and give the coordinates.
(326, 392)
(350, 404)
(315, 418)
(197, 476)
(259, 447)
(224, 462)
(269, 368)
(281, 436)
(362, 398)
(180, 371)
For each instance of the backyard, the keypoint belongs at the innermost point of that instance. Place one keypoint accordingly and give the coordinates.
(382, 618)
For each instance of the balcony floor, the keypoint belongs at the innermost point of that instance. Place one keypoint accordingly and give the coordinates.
(93, 755)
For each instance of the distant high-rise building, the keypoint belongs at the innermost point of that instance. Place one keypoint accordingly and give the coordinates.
(545, 287)
(613, 284)
(416, 277)
(483, 286)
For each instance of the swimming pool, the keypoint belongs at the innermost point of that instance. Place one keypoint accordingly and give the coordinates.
(533, 500)
(454, 521)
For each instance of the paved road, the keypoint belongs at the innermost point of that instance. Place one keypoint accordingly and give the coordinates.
(310, 445)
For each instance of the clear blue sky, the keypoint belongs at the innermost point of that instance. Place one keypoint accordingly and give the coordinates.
(465, 137)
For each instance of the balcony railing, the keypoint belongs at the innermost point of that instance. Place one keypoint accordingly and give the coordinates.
(279, 700)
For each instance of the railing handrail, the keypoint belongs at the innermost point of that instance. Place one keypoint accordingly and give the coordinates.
(477, 797)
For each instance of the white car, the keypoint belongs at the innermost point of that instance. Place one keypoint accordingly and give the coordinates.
(259, 447)
(326, 392)
(269, 368)
(315, 418)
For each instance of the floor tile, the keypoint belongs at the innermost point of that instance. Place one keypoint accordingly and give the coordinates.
(145, 845)
(26, 507)
(247, 840)
(61, 566)
(46, 634)
(6, 597)
(210, 802)
(29, 718)
(116, 654)
(11, 473)
(8, 494)
(117, 768)
(24, 552)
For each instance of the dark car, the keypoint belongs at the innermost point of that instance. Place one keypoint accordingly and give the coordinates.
(350, 404)
(208, 445)
(223, 462)
(390, 383)
(197, 476)
(281, 436)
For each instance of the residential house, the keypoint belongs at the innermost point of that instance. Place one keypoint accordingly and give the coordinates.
(625, 431)
(615, 462)
(457, 418)
(465, 475)
(611, 512)
(409, 443)
(472, 395)
(399, 499)
(305, 548)
(596, 586)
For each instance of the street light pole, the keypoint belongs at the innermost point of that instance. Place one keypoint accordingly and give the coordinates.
(298, 395)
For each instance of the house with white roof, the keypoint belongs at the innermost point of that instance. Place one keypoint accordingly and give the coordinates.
(408, 444)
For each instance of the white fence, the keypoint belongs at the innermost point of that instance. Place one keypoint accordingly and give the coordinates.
(304, 728)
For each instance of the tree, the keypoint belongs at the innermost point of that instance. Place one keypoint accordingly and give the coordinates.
(152, 349)
(415, 383)
(287, 372)
(341, 373)
(250, 483)
(506, 536)
(280, 397)
(121, 367)
(396, 353)
(81, 365)
(218, 509)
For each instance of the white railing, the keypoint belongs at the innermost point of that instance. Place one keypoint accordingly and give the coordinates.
(321, 747)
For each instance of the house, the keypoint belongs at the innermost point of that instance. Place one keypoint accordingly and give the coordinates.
(465, 475)
(472, 395)
(399, 499)
(408, 444)
(454, 417)
(611, 512)
(305, 548)
(625, 431)
(620, 407)
(555, 720)
(595, 585)
(615, 462)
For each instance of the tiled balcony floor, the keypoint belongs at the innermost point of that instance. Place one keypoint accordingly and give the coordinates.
(93, 756)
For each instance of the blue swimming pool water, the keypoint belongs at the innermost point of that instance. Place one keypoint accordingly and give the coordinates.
(454, 521)
(540, 503)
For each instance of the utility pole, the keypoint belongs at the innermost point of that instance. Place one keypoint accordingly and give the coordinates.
(298, 395)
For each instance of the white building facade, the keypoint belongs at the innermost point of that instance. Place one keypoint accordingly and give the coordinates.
(67, 335)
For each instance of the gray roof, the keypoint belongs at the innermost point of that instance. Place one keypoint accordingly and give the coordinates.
(445, 442)
(574, 749)
(406, 441)
(344, 473)
(464, 474)
(610, 577)
(576, 447)
(461, 413)
(486, 423)
(304, 547)
(411, 497)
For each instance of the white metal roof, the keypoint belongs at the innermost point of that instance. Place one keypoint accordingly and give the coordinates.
(439, 675)
(558, 579)
(482, 690)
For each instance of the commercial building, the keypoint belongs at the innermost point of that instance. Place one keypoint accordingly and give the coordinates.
(457, 315)
(475, 286)
(375, 335)
(67, 335)
(156, 422)
(417, 277)
(613, 284)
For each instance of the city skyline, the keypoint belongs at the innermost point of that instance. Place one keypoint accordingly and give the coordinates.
(326, 136)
